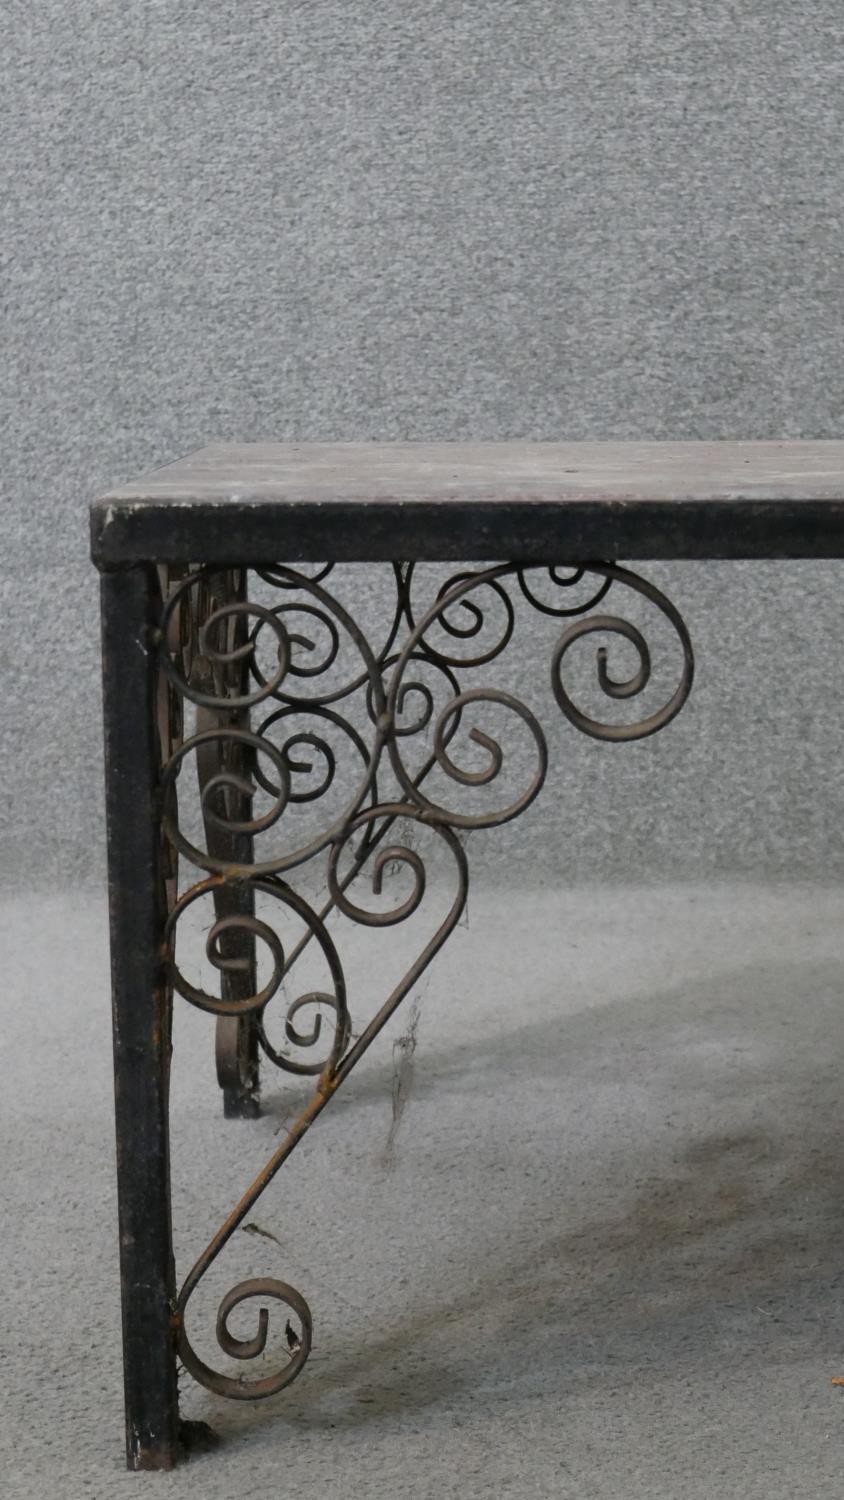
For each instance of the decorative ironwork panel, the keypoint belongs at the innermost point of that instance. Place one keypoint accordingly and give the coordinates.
(321, 757)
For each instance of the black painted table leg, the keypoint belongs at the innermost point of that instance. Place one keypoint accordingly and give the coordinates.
(236, 1041)
(141, 1017)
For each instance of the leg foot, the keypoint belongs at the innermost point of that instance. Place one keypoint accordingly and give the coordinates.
(237, 1067)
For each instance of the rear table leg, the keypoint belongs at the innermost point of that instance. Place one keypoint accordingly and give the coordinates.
(236, 1041)
(236, 1036)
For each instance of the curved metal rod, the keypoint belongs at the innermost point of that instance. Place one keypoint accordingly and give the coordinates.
(220, 655)
(630, 687)
(562, 610)
(335, 1071)
(255, 927)
(288, 578)
(448, 597)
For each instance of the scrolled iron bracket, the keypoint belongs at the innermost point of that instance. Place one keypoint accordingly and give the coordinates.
(236, 655)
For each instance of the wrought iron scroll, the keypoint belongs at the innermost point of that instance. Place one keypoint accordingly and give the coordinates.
(279, 722)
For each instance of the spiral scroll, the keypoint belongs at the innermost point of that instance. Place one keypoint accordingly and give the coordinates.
(292, 902)
(632, 686)
(265, 1288)
(443, 612)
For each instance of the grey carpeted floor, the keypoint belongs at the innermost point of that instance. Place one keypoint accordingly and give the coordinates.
(600, 1254)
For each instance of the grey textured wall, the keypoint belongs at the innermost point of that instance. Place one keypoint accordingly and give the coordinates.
(441, 220)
